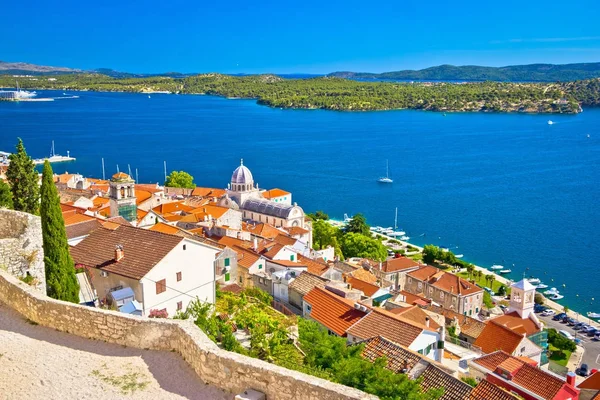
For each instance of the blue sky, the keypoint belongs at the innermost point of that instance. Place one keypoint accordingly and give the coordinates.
(287, 37)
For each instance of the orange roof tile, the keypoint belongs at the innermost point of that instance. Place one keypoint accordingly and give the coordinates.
(592, 382)
(444, 280)
(398, 264)
(141, 214)
(316, 267)
(208, 192)
(73, 217)
(334, 312)
(415, 314)
(230, 242)
(141, 196)
(367, 288)
(147, 187)
(245, 258)
(488, 391)
(296, 231)
(171, 217)
(364, 275)
(285, 240)
(435, 378)
(96, 181)
(110, 225)
(101, 201)
(306, 281)
(63, 178)
(210, 210)
(263, 230)
(173, 207)
(121, 175)
(274, 193)
(514, 322)
(383, 323)
(528, 377)
(273, 250)
(497, 337)
(164, 228)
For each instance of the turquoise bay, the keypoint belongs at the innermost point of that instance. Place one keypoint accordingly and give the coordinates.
(498, 188)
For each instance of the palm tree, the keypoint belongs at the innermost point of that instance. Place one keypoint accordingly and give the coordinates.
(492, 280)
(470, 268)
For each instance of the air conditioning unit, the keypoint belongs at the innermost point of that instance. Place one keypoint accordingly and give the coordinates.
(104, 274)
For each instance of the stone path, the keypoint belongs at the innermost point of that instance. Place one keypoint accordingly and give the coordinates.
(41, 363)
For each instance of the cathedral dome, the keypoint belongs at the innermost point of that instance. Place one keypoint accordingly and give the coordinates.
(242, 175)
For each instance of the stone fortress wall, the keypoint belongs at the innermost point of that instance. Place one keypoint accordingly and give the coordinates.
(229, 371)
(21, 251)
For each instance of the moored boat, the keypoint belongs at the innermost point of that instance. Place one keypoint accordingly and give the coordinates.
(551, 291)
(541, 286)
(496, 267)
(534, 281)
(593, 315)
(557, 297)
(505, 271)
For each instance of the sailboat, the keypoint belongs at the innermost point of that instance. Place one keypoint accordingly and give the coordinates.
(397, 233)
(386, 178)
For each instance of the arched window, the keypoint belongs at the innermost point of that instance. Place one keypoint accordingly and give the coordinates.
(122, 192)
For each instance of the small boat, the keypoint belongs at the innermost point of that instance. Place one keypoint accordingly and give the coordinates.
(534, 281)
(550, 122)
(551, 291)
(64, 94)
(398, 233)
(505, 271)
(593, 315)
(459, 255)
(588, 135)
(404, 238)
(386, 178)
(496, 267)
(541, 286)
(557, 297)
(148, 96)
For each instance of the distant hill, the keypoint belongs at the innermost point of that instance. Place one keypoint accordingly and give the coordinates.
(513, 73)
(21, 68)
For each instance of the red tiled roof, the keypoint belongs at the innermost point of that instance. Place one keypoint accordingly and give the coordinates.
(497, 337)
(176, 206)
(164, 228)
(398, 357)
(285, 240)
(317, 267)
(383, 323)
(82, 228)
(143, 249)
(245, 257)
(528, 377)
(229, 241)
(231, 288)
(332, 311)
(296, 231)
(488, 391)
(398, 264)
(148, 187)
(306, 281)
(444, 280)
(141, 196)
(415, 314)
(364, 275)
(74, 217)
(414, 299)
(261, 229)
(592, 382)
(367, 288)
(435, 378)
(274, 193)
(208, 192)
(514, 322)
(273, 250)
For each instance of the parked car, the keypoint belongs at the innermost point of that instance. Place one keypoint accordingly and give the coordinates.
(577, 341)
(579, 326)
(571, 321)
(582, 370)
(490, 291)
(597, 336)
(592, 331)
(566, 334)
(548, 313)
(559, 317)
(538, 308)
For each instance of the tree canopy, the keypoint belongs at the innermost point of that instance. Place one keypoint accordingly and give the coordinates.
(61, 282)
(23, 180)
(325, 234)
(180, 179)
(359, 245)
(5, 195)
(358, 224)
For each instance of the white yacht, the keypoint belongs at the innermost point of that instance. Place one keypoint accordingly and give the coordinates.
(497, 267)
(386, 178)
(551, 291)
(534, 281)
(550, 122)
(541, 286)
(557, 297)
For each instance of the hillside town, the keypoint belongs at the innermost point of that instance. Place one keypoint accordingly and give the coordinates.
(148, 250)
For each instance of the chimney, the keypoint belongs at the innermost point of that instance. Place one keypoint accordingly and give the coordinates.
(255, 244)
(571, 378)
(441, 343)
(427, 322)
(119, 253)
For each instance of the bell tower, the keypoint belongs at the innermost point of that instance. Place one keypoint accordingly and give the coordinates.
(522, 295)
(122, 197)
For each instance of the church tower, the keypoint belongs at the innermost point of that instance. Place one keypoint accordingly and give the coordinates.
(122, 197)
(522, 295)
(242, 185)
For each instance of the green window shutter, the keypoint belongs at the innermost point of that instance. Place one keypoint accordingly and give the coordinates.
(227, 277)
(259, 266)
(227, 262)
(292, 257)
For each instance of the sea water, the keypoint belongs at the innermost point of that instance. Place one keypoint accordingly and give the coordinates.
(506, 189)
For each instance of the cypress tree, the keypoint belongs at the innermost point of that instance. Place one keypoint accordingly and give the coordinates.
(61, 282)
(23, 179)
(5, 195)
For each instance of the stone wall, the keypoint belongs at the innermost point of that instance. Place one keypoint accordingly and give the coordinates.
(21, 249)
(229, 371)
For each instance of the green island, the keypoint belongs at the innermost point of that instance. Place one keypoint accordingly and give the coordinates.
(331, 93)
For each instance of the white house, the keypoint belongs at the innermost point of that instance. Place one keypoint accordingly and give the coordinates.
(166, 272)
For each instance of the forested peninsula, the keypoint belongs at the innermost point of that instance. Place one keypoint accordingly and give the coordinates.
(345, 95)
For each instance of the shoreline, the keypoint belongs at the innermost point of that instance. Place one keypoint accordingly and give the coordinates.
(499, 278)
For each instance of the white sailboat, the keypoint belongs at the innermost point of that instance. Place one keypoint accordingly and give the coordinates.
(386, 178)
(396, 232)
